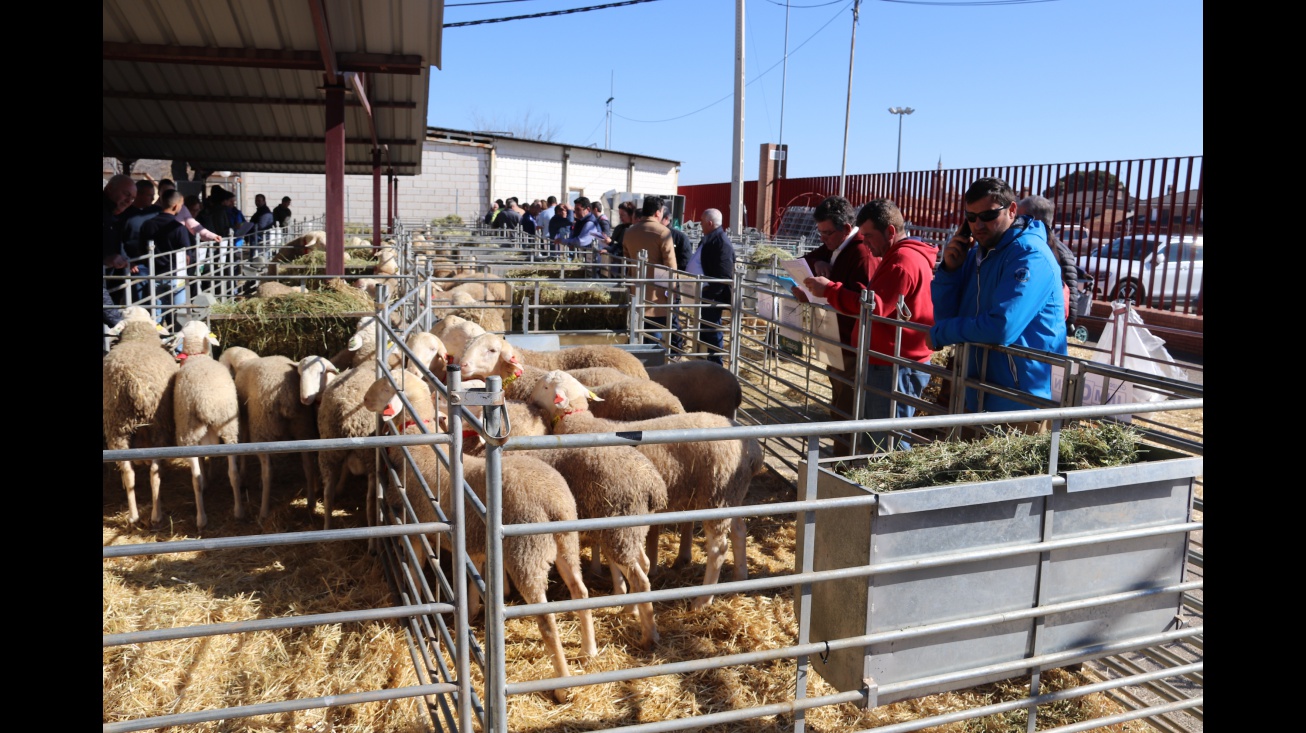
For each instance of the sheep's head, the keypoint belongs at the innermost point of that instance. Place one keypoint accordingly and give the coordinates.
(460, 297)
(383, 399)
(430, 351)
(196, 339)
(490, 354)
(559, 393)
(315, 373)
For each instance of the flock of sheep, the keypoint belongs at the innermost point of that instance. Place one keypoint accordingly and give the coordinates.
(155, 397)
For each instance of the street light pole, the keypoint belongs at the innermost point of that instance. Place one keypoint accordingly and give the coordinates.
(900, 111)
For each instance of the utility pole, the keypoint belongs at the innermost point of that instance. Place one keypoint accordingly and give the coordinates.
(737, 166)
(848, 106)
(607, 135)
(784, 78)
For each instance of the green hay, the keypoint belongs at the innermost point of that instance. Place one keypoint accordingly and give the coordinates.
(575, 317)
(763, 255)
(451, 220)
(316, 259)
(294, 325)
(545, 271)
(1005, 454)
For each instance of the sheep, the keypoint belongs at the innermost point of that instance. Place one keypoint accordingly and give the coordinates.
(300, 246)
(496, 290)
(387, 261)
(532, 492)
(430, 351)
(699, 474)
(137, 397)
(274, 407)
(606, 481)
(273, 289)
(206, 410)
(233, 356)
(491, 319)
(361, 347)
(456, 332)
(483, 351)
(491, 354)
(701, 386)
(339, 415)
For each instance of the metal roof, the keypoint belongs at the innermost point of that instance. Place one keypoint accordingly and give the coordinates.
(237, 84)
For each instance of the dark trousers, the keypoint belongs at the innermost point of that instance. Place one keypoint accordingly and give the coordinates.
(711, 334)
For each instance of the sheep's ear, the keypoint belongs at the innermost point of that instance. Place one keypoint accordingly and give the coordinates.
(116, 328)
(593, 397)
(213, 339)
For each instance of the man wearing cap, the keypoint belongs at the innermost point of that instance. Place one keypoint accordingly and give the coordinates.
(281, 214)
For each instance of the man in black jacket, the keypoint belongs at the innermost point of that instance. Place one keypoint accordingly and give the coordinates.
(715, 258)
(281, 214)
(168, 235)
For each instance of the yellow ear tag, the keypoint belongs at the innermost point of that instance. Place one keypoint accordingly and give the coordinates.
(510, 378)
(594, 396)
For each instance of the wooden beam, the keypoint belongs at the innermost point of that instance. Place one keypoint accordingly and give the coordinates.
(261, 58)
(283, 101)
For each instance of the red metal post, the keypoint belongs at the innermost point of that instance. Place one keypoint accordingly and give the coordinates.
(335, 177)
(390, 201)
(376, 199)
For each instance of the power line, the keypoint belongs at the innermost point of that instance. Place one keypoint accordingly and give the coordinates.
(486, 2)
(568, 11)
(756, 78)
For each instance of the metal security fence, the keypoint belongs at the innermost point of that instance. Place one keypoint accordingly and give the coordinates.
(1136, 225)
(1070, 530)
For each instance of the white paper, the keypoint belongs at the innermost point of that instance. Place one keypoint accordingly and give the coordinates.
(799, 270)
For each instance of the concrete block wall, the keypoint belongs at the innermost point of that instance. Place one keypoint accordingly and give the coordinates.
(453, 181)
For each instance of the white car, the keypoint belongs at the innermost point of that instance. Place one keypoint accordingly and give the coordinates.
(1149, 270)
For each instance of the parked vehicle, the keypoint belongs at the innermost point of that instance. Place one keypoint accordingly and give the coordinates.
(1075, 237)
(1147, 270)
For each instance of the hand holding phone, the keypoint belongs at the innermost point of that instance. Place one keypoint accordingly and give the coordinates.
(954, 252)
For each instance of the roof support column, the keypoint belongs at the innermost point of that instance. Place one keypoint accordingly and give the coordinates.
(335, 177)
(376, 199)
(390, 201)
(395, 194)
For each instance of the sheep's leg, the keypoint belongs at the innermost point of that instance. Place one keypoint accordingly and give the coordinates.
(638, 584)
(233, 475)
(686, 554)
(330, 491)
(568, 564)
(596, 558)
(651, 549)
(372, 489)
(312, 478)
(265, 470)
(128, 474)
(717, 532)
(156, 480)
(197, 480)
(739, 542)
(619, 582)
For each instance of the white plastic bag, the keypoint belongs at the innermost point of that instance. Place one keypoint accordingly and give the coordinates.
(1134, 347)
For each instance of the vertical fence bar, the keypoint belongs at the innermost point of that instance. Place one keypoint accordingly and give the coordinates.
(805, 589)
(496, 673)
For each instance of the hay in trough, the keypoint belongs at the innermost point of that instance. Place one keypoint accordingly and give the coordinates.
(354, 257)
(764, 255)
(571, 311)
(1002, 455)
(294, 325)
(558, 271)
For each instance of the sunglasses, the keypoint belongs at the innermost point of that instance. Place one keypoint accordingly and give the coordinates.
(989, 215)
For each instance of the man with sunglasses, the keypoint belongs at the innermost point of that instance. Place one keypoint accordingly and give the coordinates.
(843, 257)
(1005, 291)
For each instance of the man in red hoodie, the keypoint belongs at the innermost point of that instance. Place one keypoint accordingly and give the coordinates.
(906, 268)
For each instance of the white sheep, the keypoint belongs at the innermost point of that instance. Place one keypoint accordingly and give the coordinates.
(489, 318)
(532, 492)
(137, 397)
(300, 246)
(607, 481)
(206, 410)
(274, 408)
(456, 332)
(387, 261)
(699, 474)
(233, 356)
(340, 415)
(274, 289)
(568, 359)
(700, 385)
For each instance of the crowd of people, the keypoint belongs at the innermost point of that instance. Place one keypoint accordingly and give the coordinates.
(1019, 297)
(139, 212)
(1002, 279)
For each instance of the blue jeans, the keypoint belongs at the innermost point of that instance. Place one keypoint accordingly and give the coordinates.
(653, 337)
(875, 405)
(710, 336)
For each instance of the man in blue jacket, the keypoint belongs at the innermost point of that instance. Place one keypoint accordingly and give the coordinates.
(1006, 291)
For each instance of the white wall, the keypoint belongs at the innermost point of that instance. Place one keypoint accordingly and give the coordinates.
(455, 180)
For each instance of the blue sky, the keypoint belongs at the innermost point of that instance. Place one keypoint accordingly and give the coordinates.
(991, 85)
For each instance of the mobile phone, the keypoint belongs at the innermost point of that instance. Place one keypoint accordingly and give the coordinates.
(964, 229)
